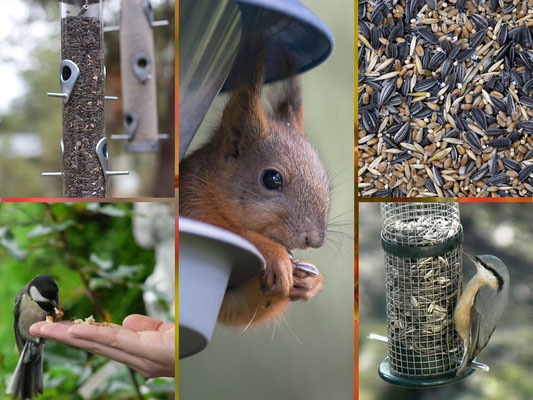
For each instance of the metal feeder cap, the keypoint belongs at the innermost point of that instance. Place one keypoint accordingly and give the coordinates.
(290, 26)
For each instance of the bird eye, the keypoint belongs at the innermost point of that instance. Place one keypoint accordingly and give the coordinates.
(272, 180)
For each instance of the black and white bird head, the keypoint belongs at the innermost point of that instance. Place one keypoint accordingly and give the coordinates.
(44, 291)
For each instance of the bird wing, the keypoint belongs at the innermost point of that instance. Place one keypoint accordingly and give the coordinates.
(484, 317)
(18, 339)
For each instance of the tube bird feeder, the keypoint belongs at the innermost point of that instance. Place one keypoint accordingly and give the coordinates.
(137, 68)
(423, 261)
(82, 81)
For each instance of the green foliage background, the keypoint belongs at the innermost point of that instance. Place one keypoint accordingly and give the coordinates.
(90, 251)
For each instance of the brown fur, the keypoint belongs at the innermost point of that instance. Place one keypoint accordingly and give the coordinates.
(221, 185)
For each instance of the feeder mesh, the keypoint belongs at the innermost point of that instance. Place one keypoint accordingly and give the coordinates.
(421, 293)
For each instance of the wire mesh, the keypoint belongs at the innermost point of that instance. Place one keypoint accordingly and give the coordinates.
(421, 293)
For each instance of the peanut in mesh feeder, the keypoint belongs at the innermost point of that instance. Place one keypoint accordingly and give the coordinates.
(423, 261)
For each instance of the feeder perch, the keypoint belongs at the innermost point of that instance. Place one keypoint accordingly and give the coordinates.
(101, 153)
(211, 261)
(423, 262)
(138, 73)
(211, 33)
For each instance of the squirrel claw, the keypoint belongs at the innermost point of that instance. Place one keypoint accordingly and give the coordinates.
(306, 285)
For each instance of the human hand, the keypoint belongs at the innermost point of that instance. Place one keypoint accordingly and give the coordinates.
(142, 343)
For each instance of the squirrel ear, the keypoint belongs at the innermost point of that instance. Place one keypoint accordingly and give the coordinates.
(290, 108)
(243, 119)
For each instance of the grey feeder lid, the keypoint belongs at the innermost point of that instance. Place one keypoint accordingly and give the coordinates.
(210, 36)
(211, 260)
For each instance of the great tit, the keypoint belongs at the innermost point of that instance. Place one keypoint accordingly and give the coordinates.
(35, 302)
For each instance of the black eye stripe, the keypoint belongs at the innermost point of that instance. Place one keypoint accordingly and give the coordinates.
(272, 180)
(496, 274)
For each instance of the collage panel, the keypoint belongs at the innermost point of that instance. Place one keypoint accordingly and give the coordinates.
(444, 106)
(270, 160)
(107, 271)
(446, 300)
(87, 103)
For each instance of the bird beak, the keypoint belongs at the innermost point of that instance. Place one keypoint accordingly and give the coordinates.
(471, 257)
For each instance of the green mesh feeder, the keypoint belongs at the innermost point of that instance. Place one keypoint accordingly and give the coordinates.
(423, 261)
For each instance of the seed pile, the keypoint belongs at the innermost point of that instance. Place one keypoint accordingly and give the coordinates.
(445, 95)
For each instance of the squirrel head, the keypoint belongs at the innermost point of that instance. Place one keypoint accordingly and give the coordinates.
(269, 171)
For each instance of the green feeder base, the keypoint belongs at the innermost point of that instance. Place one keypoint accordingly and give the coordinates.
(386, 374)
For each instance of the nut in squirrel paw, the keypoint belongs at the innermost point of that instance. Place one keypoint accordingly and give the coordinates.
(307, 280)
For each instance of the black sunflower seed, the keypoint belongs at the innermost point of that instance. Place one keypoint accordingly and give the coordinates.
(402, 133)
(446, 46)
(494, 166)
(499, 104)
(387, 92)
(479, 20)
(497, 179)
(501, 143)
(454, 153)
(374, 38)
(478, 38)
(502, 34)
(447, 66)
(463, 55)
(461, 5)
(364, 28)
(430, 185)
(526, 37)
(528, 86)
(473, 140)
(460, 70)
(428, 35)
(479, 117)
(453, 133)
(525, 173)
(398, 192)
(397, 31)
(383, 193)
(426, 85)
(391, 51)
(511, 164)
(511, 108)
(437, 59)
(438, 177)
(526, 125)
(378, 14)
(389, 142)
(395, 100)
(403, 156)
(526, 101)
(514, 136)
(507, 9)
(494, 132)
(432, 4)
(453, 53)
(370, 122)
(451, 81)
(470, 166)
(479, 174)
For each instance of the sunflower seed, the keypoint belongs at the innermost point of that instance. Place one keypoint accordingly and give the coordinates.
(437, 59)
(525, 173)
(370, 122)
(526, 125)
(502, 35)
(479, 174)
(494, 167)
(494, 132)
(501, 143)
(479, 117)
(497, 179)
(473, 140)
(437, 176)
(402, 133)
(511, 164)
(479, 20)
(428, 35)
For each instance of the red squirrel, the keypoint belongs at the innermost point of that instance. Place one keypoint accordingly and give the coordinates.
(259, 177)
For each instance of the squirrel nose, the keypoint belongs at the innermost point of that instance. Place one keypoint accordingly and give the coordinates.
(315, 238)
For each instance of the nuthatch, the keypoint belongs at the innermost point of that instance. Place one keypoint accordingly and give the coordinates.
(481, 306)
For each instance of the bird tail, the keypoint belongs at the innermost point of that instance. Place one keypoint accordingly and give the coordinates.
(465, 362)
(27, 380)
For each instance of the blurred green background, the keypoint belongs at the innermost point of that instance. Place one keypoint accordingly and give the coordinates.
(309, 353)
(30, 122)
(90, 250)
(504, 230)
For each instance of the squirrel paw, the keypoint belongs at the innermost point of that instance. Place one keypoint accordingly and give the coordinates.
(278, 276)
(306, 285)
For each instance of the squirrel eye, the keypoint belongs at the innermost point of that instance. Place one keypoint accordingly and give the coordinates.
(272, 180)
